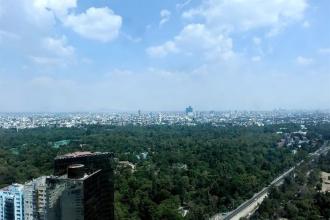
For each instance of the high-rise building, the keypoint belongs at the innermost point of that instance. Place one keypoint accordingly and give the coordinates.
(160, 118)
(11, 202)
(96, 187)
(75, 195)
(35, 199)
(189, 110)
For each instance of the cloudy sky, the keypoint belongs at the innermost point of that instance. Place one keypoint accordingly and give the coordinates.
(82, 55)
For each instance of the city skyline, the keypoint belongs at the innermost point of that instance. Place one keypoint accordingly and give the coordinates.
(77, 55)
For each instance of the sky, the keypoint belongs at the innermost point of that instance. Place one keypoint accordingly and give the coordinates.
(124, 55)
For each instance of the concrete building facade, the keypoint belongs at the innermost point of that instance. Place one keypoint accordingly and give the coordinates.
(35, 199)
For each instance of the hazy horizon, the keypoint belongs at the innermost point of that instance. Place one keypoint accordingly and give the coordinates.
(93, 56)
(163, 111)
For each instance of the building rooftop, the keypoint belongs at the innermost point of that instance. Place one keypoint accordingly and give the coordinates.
(65, 177)
(81, 154)
(12, 187)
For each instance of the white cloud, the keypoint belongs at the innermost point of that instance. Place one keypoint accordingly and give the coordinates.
(60, 7)
(36, 13)
(324, 51)
(131, 38)
(162, 50)
(306, 24)
(42, 15)
(165, 16)
(58, 46)
(22, 15)
(257, 41)
(47, 61)
(240, 15)
(304, 60)
(213, 21)
(256, 59)
(8, 35)
(87, 60)
(57, 52)
(100, 24)
(196, 39)
(182, 5)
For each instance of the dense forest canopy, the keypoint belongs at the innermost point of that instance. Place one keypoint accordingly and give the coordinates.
(201, 169)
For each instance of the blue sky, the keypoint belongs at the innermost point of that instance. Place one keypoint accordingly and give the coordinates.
(79, 55)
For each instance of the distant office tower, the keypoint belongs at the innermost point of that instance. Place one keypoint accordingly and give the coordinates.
(96, 188)
(189, 110)
(11, 202)
(160, 118)
(35, 199)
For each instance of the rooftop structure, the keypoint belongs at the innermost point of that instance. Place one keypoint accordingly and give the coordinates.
(80, 154)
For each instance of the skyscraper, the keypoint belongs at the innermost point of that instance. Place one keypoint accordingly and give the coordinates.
(75, 195)
(97, 186)
(189, 110)
(11, 202)
(35, 199)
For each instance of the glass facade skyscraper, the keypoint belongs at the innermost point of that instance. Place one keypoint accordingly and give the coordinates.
(98, 188)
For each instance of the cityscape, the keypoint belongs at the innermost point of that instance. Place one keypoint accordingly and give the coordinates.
(187, 117)
(164, 110)
(82, 182)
